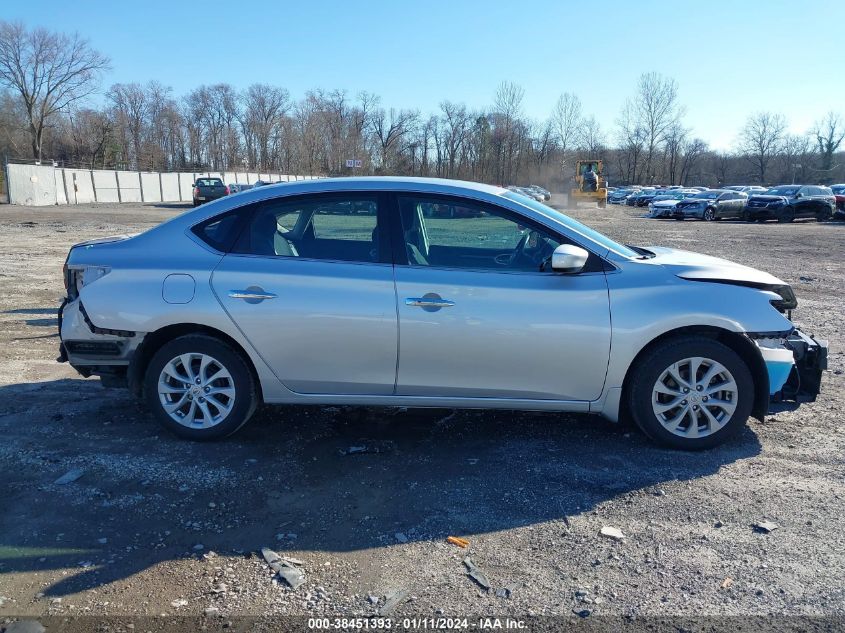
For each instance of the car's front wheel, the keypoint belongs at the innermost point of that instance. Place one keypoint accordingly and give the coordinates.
(200, 388)
(787, 215)
(690, 393)
(709, 215)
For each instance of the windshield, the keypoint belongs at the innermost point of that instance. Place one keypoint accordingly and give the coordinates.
(576, 226)
(838, 190)
(782, 191)
(707, 195)
(209, 182)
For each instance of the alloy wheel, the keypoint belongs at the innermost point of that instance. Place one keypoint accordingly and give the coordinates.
(196, 390)
(694, 397)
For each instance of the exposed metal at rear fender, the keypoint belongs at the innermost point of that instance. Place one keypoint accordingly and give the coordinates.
(647, 302)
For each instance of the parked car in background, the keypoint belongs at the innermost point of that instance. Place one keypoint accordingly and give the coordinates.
(748, 190)
(663, 205)
(620, 195)
(646, 196)
(547, 195)
(208, 189)
(788, 202)
(530, 193)
(633, 200)
(713, 204)
(839, 196)
(285, 294)
(238, 187)
(261, 183)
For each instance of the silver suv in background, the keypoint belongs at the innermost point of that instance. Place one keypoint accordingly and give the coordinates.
(427, 293)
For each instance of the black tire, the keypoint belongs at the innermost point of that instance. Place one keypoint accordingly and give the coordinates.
(709, 215)
(824, 216)
(788, 215)
(246, 396)
(644, 376)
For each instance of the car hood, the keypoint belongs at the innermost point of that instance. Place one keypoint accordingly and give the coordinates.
(666, 203)
(697, 267)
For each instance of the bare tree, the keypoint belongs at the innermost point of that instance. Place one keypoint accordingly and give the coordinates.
(674, 144)
(796, 154)
(264, 107)
(760, 140)
(390, 129)
(456, 129)
(632, 137)
(829, 133)
(507, 111)
(693, 151)
(92, 131)
(568, 122)
(592, 138)
(129, 106)
(656, 110)
(50, 71)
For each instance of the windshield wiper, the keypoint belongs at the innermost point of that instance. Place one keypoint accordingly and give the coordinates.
(644, 253)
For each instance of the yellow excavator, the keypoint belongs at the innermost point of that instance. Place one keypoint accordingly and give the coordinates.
(590, 183)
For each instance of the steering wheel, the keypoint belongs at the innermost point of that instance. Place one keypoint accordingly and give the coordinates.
(519, 250)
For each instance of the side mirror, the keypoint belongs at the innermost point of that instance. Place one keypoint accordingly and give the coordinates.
(569, 259)
(193, 184)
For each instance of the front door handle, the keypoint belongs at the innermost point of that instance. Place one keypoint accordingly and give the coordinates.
(429, 302)
(253, 294)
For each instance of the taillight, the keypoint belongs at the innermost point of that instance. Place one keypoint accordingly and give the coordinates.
(227, 190)
(197, 192)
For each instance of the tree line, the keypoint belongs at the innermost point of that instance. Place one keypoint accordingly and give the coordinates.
(47, 80)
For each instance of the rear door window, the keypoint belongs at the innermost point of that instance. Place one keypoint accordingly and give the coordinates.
(340, 227)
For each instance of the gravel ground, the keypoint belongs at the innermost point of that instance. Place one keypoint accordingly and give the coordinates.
(155, 525)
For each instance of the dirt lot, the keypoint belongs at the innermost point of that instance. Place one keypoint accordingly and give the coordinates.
(156, 525)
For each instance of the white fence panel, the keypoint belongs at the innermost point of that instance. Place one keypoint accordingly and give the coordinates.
(32, 185)
(150, 186)
(130, 186)
(105, 186)
(170, 187)
(80, 186)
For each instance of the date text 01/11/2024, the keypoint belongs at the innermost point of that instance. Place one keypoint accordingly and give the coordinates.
(380, 623)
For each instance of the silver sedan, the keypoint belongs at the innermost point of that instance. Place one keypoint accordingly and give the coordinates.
(427, 293)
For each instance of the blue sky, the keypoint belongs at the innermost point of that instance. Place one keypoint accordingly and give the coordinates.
(730, 58)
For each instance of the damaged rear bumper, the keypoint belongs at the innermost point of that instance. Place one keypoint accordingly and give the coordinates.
(93, 350)
(795, 364)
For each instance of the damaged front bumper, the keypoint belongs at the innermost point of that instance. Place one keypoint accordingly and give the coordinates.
(795, 363)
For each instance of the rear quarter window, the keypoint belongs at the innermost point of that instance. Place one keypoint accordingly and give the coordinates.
(220, 232)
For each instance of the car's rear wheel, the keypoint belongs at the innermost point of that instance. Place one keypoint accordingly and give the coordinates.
(709, 215)
(200, 388)
(824, 215)
(690, 393)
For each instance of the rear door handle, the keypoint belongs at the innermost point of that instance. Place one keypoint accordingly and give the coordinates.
(252, 294)
(429, 302)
